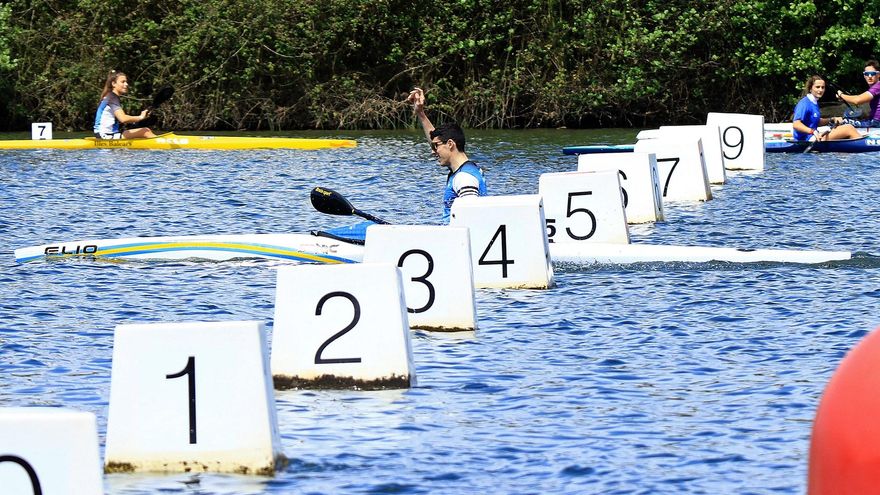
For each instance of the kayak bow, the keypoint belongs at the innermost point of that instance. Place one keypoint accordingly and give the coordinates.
(171, 141)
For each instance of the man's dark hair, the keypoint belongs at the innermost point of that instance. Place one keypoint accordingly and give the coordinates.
(873, 63)
(447, 131)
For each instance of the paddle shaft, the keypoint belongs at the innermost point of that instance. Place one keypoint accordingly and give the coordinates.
(813, 143)
(161, 97)
(369, 217)
(837, 88)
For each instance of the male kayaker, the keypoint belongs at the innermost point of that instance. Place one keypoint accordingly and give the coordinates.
(110, 113)
(447, 143)
(871, 96)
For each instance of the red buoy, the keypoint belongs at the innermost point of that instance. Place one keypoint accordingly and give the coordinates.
(845, 444)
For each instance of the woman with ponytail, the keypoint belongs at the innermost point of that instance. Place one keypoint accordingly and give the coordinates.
(110, 114)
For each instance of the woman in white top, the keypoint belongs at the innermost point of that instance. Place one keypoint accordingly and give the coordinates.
(110, 113)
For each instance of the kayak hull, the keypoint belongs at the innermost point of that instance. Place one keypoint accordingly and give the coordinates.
(171, 141)
(599, 148)
(307, 248)
(304, 248)
(859, 145)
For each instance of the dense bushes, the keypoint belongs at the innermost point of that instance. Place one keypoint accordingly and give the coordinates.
(284, 64)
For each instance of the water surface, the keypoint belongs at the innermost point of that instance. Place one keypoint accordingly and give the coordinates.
(651, 378)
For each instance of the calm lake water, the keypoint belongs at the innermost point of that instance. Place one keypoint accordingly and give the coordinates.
(653, 378)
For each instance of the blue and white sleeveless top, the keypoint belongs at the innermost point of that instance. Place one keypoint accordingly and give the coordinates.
(105, 121)
(466, 181)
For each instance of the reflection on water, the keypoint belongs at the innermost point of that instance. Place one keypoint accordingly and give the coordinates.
(639, 378)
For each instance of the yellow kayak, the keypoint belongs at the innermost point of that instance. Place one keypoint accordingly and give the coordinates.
(171, 141)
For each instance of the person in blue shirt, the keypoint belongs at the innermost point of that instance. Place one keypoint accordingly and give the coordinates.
(807, 117)
(448, 144)
(110, 113)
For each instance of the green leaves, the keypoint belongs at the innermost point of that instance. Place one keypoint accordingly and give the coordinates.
(269, 64)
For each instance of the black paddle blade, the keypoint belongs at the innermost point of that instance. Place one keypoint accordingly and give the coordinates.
(330, 202)
(162, 96)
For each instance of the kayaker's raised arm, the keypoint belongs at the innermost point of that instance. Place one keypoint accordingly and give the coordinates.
(417, 99)
(447, 144)
(110, 113)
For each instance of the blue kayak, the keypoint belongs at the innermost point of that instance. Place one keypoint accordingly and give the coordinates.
(865, 144)
(599, 148)
(858, 145)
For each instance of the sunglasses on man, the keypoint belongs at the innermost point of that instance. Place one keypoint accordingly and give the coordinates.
(434, 144)
(870, 73)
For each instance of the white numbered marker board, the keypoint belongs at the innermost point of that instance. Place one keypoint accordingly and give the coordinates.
(710, 136)
(437, 275)
(192, 397)
(508, 240)
(584, 207)
(742, 139)
(639, 182)
(681, 167)
(51, 451)
(41, 130)
(341, 326)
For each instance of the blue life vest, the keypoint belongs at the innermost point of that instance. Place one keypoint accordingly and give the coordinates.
(450, 194)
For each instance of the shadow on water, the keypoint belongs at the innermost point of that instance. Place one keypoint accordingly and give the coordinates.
(859, 260)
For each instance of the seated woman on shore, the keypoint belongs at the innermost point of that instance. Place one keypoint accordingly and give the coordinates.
(807, 117)
(110, 113)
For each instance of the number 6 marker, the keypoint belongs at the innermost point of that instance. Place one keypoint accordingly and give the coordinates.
(639, 182)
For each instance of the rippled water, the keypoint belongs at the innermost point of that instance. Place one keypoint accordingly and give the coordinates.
(653, 378)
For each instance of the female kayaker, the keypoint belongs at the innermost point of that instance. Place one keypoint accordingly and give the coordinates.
(807, 117)
(871, 97)
(110, 113)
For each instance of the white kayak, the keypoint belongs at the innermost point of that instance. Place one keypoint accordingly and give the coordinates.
(292, 247)
(307, 248)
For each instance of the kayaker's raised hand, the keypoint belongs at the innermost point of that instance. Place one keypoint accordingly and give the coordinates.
(144, 114)
(417, 99)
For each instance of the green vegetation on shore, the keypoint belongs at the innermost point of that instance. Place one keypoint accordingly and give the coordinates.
(304, 64)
